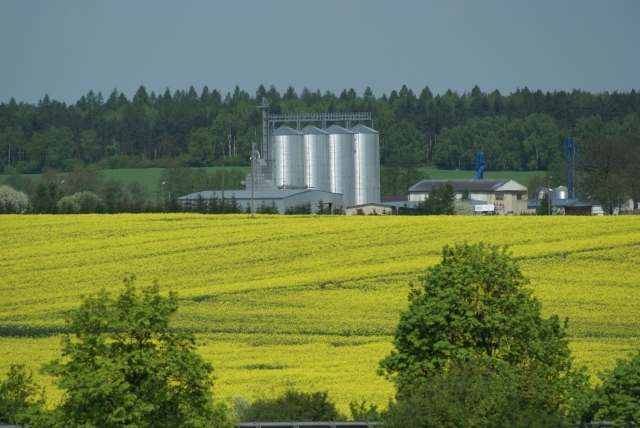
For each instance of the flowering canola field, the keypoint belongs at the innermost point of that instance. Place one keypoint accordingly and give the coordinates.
(309, 302)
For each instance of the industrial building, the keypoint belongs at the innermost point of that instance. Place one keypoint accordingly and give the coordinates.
(340, 165)
(561, 204)
(504, 196)
(335, 159)
(283, 199)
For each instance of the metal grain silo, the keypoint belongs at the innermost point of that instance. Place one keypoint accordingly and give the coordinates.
(366, 165)
(560, 192)
(287, 170)
(315, 143)
(341, 163)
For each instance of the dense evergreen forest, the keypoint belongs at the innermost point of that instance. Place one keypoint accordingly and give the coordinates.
(522, 131)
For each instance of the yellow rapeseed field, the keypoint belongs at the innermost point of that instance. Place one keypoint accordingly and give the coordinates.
(308, 302)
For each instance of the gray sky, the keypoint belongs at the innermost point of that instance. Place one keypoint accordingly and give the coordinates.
(66, 48)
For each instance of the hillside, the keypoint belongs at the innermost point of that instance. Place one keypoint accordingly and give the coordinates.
(309, 302)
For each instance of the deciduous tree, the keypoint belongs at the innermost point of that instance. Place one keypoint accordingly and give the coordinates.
(474, 304)
(124, 366)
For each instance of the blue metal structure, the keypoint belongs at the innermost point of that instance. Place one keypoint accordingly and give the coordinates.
(571, 154)
(480, 166)
(571, 161)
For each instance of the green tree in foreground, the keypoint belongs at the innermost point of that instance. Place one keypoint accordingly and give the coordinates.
(293, 406)
(618, 397)
(124, 366)
(474, 305)
(18, 392)
(476, 394)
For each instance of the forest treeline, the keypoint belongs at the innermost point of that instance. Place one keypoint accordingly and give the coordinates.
(524, 130)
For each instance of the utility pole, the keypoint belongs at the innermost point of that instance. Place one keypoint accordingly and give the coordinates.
(549, 193)
(254, 147)
(265, 129)
(163, 195)
(223, 206)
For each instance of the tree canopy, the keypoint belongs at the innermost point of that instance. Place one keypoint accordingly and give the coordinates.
(293, 406)
(124, 366)
(474, 304)
(18, 393)
(617, 397)
(524, 130)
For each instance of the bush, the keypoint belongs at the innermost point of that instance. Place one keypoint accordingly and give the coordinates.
(13, 201)
(266, 209)
(618, 397)
(462, 207)
(18, 392)
(293, 406)
(478, 393)
(299, 209)
(80, 203)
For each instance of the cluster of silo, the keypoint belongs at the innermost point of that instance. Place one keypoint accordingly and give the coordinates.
(366, 174)
(341, 163)
(287, 163)
(561, 192)
(335, 160)
(315, 149)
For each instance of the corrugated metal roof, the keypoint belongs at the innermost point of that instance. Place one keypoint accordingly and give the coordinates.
(337, 129)
(361, 129)
(285, 130)
(398, 204)
(559, 203)
(312, 130)
(460, 185)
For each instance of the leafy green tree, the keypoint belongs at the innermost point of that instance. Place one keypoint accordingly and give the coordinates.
(125, 366)
(543, 207)
(607, 158)
(466, 195)
(361, 411)
(18, 393)
(82, 180)
(80, 203)
(617, 398)
(479, 394)
(21, 183)
(474, 304)
(294, 406)
(439, 202)
(201, 147)
(134, 198)
(112, 193)
(46, 197)
(265, 208)
(88, 146)
(322, 208)
(299, 209)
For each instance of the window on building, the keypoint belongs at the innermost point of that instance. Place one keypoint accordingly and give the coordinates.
(520, 197)
(499, 197)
